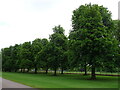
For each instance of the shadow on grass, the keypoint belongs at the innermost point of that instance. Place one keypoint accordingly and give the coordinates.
(76, 76)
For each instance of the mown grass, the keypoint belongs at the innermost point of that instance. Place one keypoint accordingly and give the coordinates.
(62, 81)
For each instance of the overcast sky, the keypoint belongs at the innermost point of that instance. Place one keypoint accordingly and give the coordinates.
(26, 20)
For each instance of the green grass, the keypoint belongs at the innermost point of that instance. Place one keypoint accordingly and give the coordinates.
(62, 81)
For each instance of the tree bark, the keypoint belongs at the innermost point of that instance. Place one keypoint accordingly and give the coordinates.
(55, 72)
(24, 70)
(93, 76)
(46, 71)
(85, 69)
(16, 70)
(35, 70)
(21, 70)
(62, 70)
(28, 70)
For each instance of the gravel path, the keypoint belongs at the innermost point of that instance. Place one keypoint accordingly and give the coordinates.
(11, 84)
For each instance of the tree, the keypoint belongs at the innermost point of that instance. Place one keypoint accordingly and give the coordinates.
(36, 47)
(118, 30)
(43, 55)
(15, 57)
(25, 56)
(44, 42)
(54, 57)
(93, 35)
(6, 59)
(117, 35)
(60, 41)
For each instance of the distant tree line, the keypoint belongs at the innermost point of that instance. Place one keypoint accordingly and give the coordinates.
(94, 42)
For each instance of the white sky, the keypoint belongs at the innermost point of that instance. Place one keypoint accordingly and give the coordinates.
(26, 20)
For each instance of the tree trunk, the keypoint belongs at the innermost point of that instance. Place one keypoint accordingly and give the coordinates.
(35, 70)
(85, 69)
(55, 72)
(46, 71)
(24, 70)
(28, 70)
(21, 70)
(16, 70)
(62, 70)
(93, 76)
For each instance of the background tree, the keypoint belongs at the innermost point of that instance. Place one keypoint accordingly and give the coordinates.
(9, 60)
(60, 41)
(6, 59)
(54, 57)
(26, 56)
(43, 55)
(118, 30)
(36, 47)
(117, 35)
(15, 57)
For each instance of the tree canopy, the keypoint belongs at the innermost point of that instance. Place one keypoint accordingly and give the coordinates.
(92, 36)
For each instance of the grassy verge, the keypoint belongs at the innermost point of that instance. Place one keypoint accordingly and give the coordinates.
(62, 81)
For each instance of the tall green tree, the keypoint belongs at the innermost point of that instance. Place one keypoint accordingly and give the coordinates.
(36, 47)
(118, 30)
(6, 53)
(25, 56)
(92, 35)
(117, 35)
(15, 57)
(59, 39)
(54, 57)
(43, 55)
(9, 59)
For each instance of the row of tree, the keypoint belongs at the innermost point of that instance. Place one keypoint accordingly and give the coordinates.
(40, 53)
(93, 41)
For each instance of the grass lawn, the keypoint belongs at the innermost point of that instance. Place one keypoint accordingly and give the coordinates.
(62, 81)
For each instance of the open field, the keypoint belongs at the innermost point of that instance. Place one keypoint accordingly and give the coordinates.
(62, 81)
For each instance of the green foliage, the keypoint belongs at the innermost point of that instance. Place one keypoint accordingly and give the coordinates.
(92, 35)
(118, 30)
(36, 47)
(25, 54)
(7, 59)
(59, 45)
(58, 29)
(117, 35)
(43, 55)
(93, 42)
